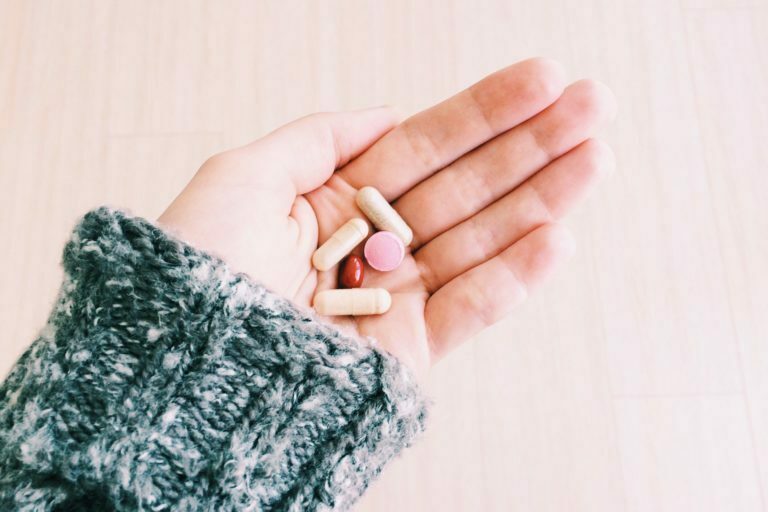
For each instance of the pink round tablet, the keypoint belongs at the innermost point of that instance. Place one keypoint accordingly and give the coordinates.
(384, 251)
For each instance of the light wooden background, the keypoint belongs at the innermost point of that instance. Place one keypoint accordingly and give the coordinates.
(636, 381)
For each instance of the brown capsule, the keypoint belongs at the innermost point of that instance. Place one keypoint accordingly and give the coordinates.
(351, 273)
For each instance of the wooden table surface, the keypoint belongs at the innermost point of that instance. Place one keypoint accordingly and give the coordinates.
(636, 381)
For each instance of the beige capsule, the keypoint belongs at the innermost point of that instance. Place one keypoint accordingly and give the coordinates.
(381, 214)
(353, 301)
(340, 244)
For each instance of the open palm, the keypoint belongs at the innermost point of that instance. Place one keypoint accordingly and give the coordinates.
(481, 178)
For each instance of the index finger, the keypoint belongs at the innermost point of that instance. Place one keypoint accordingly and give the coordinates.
(433, 138)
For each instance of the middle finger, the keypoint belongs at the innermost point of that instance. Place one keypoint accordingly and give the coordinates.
(492, 170)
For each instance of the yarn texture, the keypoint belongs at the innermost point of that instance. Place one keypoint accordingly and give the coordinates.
(164, 381)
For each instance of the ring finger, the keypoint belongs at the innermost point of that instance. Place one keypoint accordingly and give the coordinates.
(544, 198)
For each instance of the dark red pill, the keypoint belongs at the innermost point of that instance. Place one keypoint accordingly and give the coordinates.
(351, 273)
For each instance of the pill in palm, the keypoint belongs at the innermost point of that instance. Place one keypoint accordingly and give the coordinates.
(381, 214)
(340, 244)
(384, 251)
(352, 301)
(352, 272)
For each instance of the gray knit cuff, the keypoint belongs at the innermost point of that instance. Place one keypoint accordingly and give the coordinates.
(164, 381)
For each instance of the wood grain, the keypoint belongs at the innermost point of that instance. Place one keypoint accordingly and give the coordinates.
(636, 381)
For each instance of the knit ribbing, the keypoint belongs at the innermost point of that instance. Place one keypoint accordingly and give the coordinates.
(163, 381)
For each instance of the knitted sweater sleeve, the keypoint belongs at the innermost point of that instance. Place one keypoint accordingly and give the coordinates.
(163, 381)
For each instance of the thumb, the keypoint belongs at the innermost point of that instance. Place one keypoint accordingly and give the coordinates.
(309, 149)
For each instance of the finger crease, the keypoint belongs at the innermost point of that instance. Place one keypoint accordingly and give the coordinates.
(483, 238)
(491, 131)
(522, 285)
(482, 193)
(427, 276)
(480, 304)
(538, 142)
(336, 144)
(549, 215)
(425, 149)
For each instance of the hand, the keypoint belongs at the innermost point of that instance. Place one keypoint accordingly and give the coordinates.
(481, 178)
